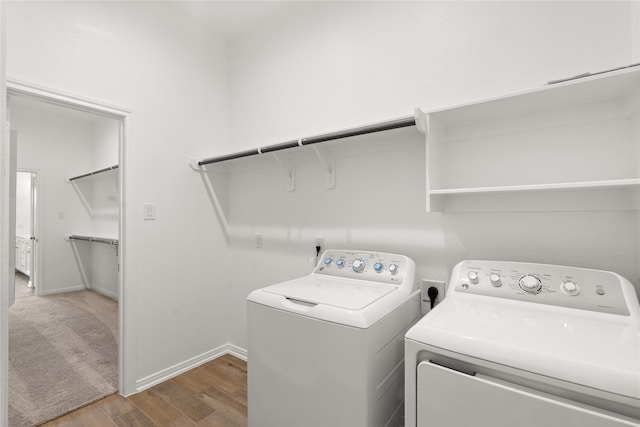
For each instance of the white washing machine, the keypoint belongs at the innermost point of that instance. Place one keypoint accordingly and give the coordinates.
(521, 344)
(327, 349)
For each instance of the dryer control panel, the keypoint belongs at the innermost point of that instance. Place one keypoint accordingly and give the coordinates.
(371, 266)
(581, 288)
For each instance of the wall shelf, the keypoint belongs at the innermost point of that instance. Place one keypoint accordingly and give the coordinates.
(583, 134)
(611, 184)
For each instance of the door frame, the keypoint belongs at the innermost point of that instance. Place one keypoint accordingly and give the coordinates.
(126, 274)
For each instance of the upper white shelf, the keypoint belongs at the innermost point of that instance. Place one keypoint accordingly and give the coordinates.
(582, 134)
(550, 97)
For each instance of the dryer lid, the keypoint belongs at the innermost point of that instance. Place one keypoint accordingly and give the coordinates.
(341, 293)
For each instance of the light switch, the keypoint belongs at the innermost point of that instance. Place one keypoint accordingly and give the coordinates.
(149, 211)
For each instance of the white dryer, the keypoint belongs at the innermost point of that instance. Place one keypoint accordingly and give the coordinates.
(327, 349)
(521, 344)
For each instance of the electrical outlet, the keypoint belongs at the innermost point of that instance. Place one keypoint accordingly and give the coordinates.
(426, 301)
(258, 240)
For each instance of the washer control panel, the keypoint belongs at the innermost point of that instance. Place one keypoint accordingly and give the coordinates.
(372, 266)
(581, 288)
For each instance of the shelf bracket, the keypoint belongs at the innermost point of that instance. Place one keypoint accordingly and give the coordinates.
(328, 163)
(193, 162)
(286, 163)
(421, 120)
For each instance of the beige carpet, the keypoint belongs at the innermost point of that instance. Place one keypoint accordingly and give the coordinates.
(63, 354)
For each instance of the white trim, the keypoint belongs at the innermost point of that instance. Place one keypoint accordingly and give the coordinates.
(104, 292)
(194, 362)
(4, 238)
(126, 252)
(236, 351)
(635, 32)
(65, 290)
(19, 87)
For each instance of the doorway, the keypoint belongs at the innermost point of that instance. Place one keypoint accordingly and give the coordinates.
(26, 233)
(107, 212)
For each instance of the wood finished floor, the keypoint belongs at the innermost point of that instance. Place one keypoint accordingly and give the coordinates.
(213, 394)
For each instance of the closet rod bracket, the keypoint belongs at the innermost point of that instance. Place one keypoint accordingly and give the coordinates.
(285, 160)
(421, 120)
(328, 163)
(193, 162)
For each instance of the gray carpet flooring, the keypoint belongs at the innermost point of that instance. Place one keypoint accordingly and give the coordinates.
(63, 353)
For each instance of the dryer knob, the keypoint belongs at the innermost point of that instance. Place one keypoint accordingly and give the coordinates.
(358, 265)
(378, 267)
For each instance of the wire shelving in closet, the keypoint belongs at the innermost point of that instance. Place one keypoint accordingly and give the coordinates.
(92, 239)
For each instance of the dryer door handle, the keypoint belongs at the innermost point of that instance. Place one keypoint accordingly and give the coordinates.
(300, 302)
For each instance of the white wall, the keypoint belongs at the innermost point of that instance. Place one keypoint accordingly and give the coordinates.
(105, 143)
(57, 147)
(140, 55)
(23, 204)
(331, 65)
(104, 196)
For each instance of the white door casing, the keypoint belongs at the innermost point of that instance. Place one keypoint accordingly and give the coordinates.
(126, 357)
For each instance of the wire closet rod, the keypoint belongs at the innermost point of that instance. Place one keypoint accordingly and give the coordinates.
(362, 130)
(108, 168)
(94, 239)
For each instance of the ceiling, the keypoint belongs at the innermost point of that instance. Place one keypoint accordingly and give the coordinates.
(230, 18)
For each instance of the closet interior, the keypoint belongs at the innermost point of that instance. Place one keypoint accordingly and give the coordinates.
(75, 156)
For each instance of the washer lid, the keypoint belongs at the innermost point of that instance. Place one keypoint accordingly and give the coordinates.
(596, 350)
(342, 293)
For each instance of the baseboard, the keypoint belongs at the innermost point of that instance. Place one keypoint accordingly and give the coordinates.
(194, 362)
(236, 351)
(63, 290)
(104, 292)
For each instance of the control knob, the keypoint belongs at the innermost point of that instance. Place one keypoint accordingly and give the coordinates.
(340, 263)
(495, 280)
(570, 288)
(378, 267)
(473, 277)
(358, 265)
(327, 261)
(393, 269)
(530, 284)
